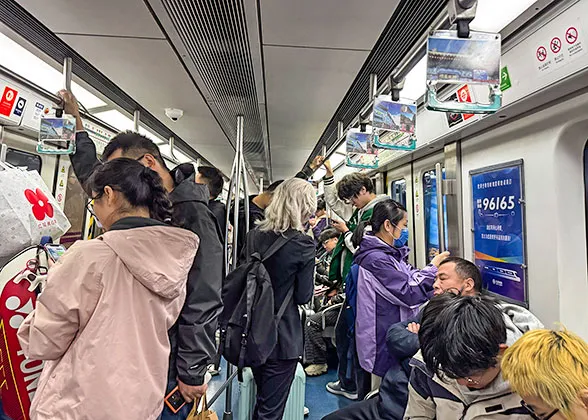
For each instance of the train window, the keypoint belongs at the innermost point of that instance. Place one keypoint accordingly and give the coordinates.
(430, 208)
(23, 159)
(398, 193)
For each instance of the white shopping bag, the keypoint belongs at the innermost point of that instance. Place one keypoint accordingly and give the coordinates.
(28, 211)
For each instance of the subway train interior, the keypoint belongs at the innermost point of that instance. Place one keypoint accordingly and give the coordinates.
(491, 162)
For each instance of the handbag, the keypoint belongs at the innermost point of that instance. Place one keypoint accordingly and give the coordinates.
(205, 414)
(28, 211)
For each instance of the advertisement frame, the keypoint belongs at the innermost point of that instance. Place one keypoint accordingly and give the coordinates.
(520, 165)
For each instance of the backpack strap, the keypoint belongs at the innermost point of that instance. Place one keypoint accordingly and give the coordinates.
(284, 304)
(276, 246)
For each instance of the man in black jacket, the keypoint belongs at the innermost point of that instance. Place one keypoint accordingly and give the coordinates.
(213, 178)
(193, 345)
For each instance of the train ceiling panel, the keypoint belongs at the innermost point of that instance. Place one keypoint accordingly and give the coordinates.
(330, 24)
(105, 17)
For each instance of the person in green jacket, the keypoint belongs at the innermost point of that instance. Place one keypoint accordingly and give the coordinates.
(352, 200)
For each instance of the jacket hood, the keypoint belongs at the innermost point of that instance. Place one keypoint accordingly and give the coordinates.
(518, 321)
(372, 204)
(186, 188)
(158, 257)
(371, 243)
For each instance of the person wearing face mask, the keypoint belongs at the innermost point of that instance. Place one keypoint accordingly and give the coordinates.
(389, 289)
(101, 323)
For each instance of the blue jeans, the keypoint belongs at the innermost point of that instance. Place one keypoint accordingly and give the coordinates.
(167, 413)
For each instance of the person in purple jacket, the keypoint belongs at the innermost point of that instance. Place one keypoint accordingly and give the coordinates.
(389, 289)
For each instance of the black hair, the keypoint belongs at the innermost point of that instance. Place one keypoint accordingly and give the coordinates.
(321, 205)
(213, 179)
(350, 186)
(133, 145)
(141, 186)
(461, 335)
(465, 270)
(385, 210)
(272, 187)
(327, 234)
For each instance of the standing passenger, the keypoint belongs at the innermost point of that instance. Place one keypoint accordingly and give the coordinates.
(213, 178)
(193, 344)
(353, 199)
(291, 267)
(101, 322)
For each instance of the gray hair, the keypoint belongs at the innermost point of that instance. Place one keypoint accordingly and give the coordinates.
(293, 202)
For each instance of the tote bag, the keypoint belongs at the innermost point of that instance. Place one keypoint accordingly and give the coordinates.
(28, 211)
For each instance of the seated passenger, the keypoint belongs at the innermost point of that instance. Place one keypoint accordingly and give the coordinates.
(101, 322)
(315, 346)
(321, 220)
(549, 369)
(463, 339)
(455, 275)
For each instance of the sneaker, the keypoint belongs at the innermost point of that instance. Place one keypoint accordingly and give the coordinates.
(306, 411)
(337, 389)
(316, 370)
(213, 371)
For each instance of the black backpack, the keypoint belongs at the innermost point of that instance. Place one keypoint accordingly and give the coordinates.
(248, 325)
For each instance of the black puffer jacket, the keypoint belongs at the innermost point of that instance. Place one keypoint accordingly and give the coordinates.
(193, 336)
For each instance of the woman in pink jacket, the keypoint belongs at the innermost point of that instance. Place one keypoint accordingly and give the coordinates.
(101, 322)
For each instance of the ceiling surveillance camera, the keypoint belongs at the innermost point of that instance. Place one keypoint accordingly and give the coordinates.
(174, 114)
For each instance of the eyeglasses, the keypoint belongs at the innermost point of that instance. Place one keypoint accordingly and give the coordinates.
(90, 205)
(537, 416)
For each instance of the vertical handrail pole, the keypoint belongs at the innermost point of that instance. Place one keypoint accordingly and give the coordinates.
(228, 216)
(3, 147)
(67, 73)
(238, 170)
(261, 184)
(136, 120)
(440, 209)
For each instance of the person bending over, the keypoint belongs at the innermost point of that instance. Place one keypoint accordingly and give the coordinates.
(103, 317)
(549, 369)
(458, 372)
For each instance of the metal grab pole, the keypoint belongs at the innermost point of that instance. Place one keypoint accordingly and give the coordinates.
(228, 216)
(67, 72)
(238, 169)
(136, 120)
(440, 208)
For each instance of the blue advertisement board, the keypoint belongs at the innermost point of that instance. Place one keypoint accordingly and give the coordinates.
(499, 230)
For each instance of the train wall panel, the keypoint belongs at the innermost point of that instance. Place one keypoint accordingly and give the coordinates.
(551, 143)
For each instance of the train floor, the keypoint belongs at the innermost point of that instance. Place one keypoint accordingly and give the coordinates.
(318, 400)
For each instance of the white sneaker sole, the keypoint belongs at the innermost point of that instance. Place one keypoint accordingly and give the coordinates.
(343, 393)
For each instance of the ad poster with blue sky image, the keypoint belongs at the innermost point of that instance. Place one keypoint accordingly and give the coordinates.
(498, 220)
(464, 60)
(394, 124)
(361, 152)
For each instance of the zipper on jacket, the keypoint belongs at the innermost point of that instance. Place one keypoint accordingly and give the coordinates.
(466, 407)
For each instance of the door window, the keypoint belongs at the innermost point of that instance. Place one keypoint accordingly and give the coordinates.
(430, 208)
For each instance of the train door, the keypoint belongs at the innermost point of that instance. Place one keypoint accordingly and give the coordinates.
(437, 204)
(429, 235)
(400, 189)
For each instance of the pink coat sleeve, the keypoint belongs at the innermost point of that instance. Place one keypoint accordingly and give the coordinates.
(69, 298)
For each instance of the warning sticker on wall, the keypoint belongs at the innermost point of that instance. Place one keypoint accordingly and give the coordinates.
(7, 101)
(560, 49)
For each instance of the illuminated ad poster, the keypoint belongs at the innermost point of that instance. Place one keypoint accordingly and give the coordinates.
(499, 232)
(464, 60)
(394, 124)
(361, 152)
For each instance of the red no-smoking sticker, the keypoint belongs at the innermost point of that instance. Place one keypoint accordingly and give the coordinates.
(555, 45)
(7, 101)
(571, 35)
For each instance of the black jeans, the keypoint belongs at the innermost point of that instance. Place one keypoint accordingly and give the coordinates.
(273, 381)
(352, 377)
(364, 410)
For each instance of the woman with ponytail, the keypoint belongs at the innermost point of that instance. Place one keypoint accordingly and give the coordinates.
(101, 324)
(389, 289)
